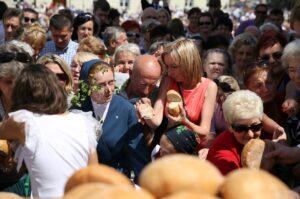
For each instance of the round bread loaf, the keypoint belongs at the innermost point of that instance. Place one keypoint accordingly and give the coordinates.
(146, 111)
(174, 100)
(4, 148)
(7, 195)
(97, 173)
(96, 191)
(253, 153)
(190, 194)
(180, 172)
(251, 183)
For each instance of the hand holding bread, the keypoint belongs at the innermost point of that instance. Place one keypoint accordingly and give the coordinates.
(173, 103)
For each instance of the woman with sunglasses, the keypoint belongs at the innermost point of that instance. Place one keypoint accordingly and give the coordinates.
(60, 68)
(243, 112)
(84, 25)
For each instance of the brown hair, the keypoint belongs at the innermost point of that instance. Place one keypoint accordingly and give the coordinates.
(93, 45)
(37, 89)
(255, 68)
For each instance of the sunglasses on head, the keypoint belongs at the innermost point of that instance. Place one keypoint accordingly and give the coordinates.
(240, 128)
(10, 56)
(276, 56)
(204, 23)
(85, 16)
(27, 19)
(133, 34)
(62, 76)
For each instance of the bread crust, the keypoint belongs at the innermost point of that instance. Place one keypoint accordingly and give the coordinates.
(147, 111)
(4, 148)
(174, 99)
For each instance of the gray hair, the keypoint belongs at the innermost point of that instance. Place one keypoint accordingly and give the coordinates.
(112, 33)
(130, 48)
(23, 45)
(242, 39)
(268, 26)
(292, 50)
(242, 104)
(219, 51)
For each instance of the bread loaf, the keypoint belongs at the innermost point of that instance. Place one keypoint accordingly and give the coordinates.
(174, 100)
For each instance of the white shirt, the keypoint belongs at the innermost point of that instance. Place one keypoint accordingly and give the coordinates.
(55, 147)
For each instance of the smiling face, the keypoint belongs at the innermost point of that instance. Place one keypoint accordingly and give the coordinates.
(85, 30)
(272, 55)
(104, 86)
(214, 65)
(124, 61)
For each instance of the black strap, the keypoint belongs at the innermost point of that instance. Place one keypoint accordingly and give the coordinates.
(184, 106)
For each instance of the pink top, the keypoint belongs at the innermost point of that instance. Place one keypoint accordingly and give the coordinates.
(193, 98)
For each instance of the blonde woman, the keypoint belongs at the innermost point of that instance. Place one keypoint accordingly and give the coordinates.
(35, 36)
(93, 45)
(184, 69)
(60, 68)
(78, 60)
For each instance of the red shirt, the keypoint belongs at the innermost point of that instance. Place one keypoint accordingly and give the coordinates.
(225, 153)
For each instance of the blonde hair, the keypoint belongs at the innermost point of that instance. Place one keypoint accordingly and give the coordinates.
(98, 67)
(52, 58)
(231, 81)
(243, 104)
(34, 35)
(82, 57)
(93, 45)
(185, 53)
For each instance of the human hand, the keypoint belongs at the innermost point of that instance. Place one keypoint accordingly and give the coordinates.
(290, 106)
(279, 135)
(284, 154)
(202, 154)
(180, 118)
(139, 106)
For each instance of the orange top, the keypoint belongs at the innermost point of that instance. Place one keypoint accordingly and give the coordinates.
(193, 99)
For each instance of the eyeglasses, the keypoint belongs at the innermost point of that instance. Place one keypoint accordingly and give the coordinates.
(27, 19)
(240, 128)
(61, 76)
(133, 34)
(276, 56)
(204, 23)
(10, 56)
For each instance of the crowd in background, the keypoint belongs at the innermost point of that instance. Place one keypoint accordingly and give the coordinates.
(74, 86)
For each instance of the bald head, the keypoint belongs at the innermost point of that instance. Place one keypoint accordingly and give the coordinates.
(149, 13)
(145, 73)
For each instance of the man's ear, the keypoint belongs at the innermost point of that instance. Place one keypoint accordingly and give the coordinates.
(112, 43)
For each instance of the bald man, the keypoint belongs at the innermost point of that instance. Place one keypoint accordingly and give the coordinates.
(143, 78)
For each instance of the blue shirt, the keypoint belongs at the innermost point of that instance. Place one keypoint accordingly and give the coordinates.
(67, 53)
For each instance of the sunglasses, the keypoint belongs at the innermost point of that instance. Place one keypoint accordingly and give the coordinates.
(27, 19)
(240, 128)
(133, 34)
(61, 76)
(10, 56)
(204, 23)
(276, 56)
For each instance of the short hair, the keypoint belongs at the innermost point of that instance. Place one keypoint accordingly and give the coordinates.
(268, 26)
(112, 15)
(261, 5)
(290, 51)
(52, 58)
(130, 25)
(148, 25)
(155, 46)
(181, 51)
(102, 5)
(34, 35)
(82, 18)
(60, 21)
(23, 45)
(276, 12)
(159, 31)
(242, 104)
(38, 90)
(226, 21)
(31, 10)
(219, 51)
(12, 68)
(240, 40)
(270, 38)
(129, 48)
(98, 67)
(13, 12)
(112, 33)
(82, 57)
(93, 45)
(256, 68)
(194, 10)
(68, 13)
(216, 41)
(209, 15)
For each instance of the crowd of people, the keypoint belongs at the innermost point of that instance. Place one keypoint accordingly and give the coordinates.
(72, 93)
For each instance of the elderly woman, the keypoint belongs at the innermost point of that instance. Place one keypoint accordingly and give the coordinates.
(12, 60)
(215, 63)
(84, 25)
(122, 144)
(290, 60)
(243, 111)
(242, 51)
(49, 135)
